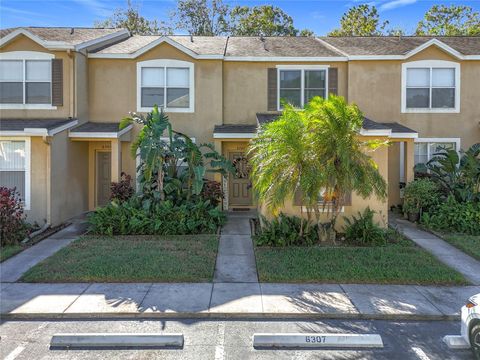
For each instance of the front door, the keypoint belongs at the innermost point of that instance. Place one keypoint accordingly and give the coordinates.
(239, 186)
(103, 177)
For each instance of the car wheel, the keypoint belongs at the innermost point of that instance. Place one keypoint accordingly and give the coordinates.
(475, 340)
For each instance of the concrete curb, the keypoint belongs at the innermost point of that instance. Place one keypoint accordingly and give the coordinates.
(317, 340)
(116, 340)
(226, 316)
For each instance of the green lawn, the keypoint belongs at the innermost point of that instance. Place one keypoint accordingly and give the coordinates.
(401, 263)
(9, 251)
(469, 244)
(182, 258)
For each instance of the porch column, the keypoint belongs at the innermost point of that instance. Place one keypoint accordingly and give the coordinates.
(116, 159)
(409, 158)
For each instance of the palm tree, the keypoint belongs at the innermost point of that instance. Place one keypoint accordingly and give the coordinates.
(318, 154)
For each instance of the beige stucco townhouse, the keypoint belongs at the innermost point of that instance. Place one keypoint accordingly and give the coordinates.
(63, 92)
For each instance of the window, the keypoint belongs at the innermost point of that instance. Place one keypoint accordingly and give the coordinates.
(15, 167)
(426, 148)
(430, 86)
(25, 82)
(166, 83)
(297, 86)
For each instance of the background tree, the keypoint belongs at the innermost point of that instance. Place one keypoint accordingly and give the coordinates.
(265, 20)
(449, 21)
(306, 32)
(130, 19)
(201, 17)
(361, 20)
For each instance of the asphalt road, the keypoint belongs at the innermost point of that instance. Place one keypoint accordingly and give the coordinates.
(219, 339)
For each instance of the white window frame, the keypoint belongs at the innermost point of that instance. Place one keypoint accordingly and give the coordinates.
(430, 64)
(166, 63)
(457, 142)
(24, 56)
(28, 172)
(302, 68)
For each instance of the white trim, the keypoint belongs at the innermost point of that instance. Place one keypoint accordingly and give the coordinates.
(53, 45)
(28, 166)
(105, 135)
(375, 132)
(26, 55)
(61, 128)
(233, 135)
(124, 33)
(438, 43)
(409, 135)
(302, 68)
(61, 45)
(39, 131)
(27, 107)
(430, 64)
(166, 63)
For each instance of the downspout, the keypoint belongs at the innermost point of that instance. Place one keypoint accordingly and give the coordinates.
(48, 141)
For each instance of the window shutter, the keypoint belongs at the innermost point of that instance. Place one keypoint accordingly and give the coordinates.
(57, 82)
(272, 89)
(333, 81)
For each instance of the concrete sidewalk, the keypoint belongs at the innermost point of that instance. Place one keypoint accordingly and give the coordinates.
(232, 300)
(12, 269)
(443, 251)
(236, 258)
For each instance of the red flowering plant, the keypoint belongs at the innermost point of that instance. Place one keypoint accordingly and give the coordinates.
(13, 227)
(212, 190)
(122, 191)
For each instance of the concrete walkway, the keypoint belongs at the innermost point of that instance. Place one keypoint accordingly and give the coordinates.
(12, 269)
(236, 258)
(232, 300)
(443, 251)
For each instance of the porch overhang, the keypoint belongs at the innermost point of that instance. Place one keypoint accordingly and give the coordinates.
(35, 127)
(100, 131)
(234, 131)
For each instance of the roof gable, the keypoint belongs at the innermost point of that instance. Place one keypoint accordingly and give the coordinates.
(46, 44)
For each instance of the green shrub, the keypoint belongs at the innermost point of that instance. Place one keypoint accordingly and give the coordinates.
(285, 231)
(454, 216)
(135, 217)
(362, 231)
(420, 195)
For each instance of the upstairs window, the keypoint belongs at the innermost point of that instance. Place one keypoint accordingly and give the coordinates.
(297, 86)
(25, 82)
(431, 86)
(166, 83)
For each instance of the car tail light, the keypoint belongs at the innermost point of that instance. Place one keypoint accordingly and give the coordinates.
(470, 305)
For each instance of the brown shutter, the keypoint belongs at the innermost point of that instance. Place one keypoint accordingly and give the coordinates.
(333, 81)
(272, 89)
(57, 82)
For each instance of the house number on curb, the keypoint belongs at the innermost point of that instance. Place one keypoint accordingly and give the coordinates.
(315, 339)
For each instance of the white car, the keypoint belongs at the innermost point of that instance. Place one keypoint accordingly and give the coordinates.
(470, 328)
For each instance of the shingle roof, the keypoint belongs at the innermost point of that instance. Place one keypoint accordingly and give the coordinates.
(97, 127)
(235, 128)
(21, 124)
(288, 46)
(368, 124)
(64, 34)
(394, 45)
(201, 45)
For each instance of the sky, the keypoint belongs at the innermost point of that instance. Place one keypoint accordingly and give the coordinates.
(320, 16)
